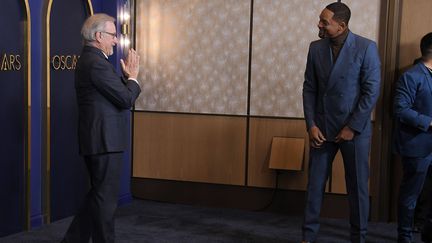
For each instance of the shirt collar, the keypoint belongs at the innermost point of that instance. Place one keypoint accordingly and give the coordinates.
(105, 54)
(340, 39)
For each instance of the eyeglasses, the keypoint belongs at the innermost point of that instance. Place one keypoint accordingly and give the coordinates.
(114, 35)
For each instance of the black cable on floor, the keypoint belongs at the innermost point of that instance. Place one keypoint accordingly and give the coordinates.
(275, 189)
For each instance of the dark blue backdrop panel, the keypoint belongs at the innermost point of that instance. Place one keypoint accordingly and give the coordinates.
(12, 112)
(69, 179)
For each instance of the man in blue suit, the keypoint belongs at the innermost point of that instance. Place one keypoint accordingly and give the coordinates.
(104, 101)
(413, 138)
(341, 87)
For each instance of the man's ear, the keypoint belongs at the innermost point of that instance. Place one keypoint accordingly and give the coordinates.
(343, 25)
(98, 36)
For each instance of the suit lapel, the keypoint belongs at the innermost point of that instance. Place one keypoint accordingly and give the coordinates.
(428, 76)
(326, 61)
(343, 61)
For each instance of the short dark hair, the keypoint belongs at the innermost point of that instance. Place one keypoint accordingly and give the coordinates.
(426, 46)
(341, 12)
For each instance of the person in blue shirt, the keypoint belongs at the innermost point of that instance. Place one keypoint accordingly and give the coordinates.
(413, 138)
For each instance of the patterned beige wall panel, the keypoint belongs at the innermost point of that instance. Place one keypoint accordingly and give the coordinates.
(196, 148)
(282, 31)
(194, 55)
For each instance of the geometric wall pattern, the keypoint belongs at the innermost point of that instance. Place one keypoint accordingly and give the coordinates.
(194, 53)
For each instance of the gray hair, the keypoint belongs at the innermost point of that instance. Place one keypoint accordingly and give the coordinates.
(93, 24)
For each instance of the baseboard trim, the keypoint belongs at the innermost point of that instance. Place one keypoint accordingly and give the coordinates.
(230, 196)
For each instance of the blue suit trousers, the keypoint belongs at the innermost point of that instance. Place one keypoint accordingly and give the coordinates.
(355, 155)
(414, 175)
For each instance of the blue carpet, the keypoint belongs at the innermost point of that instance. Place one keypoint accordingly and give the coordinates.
(148, 221)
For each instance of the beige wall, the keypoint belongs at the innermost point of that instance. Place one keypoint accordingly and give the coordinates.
(195, 53)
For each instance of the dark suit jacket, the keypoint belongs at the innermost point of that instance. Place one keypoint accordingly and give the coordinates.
(413, 110)
(343, 93)
(104, 100)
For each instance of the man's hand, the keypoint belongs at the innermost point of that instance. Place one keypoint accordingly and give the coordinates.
(346, 134)
(130, 67)
(316, 138)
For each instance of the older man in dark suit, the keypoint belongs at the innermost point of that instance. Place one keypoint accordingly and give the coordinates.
(104, 100)
(413, 136)
(341, 87)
